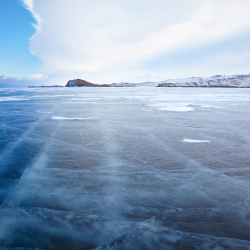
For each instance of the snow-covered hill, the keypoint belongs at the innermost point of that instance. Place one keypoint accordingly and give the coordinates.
(234, 81)
(141, 84)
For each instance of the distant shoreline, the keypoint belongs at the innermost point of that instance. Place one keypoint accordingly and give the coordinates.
(229, 87)
(217, 81)
(42, 86)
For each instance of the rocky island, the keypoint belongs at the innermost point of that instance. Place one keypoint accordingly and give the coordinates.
(83, 83)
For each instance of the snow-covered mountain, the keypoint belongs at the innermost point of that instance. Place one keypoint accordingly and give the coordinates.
(234, 81)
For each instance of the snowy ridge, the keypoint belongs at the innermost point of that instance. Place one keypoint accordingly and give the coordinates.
(141, 84)
(234, 81)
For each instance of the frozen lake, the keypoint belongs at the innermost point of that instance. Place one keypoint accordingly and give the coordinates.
(125, 168)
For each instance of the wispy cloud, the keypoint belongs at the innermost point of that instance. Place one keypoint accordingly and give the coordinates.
(38, 77)
(29, 5)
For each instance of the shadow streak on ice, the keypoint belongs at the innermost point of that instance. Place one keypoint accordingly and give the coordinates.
(19, 154)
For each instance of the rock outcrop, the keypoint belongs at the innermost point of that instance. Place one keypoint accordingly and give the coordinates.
(83, 83)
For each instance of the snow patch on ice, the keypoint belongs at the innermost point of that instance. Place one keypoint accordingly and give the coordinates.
(43, 112)
(71, 118)
(48, 96)
(13, 98)
(194, 141)
(76, 99)
(171, 106)
(211, 106)
(177, 109)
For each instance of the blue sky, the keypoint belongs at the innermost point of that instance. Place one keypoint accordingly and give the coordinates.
(116, 40)
(16, 29)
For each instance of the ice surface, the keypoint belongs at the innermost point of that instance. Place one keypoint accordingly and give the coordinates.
(102, 172)
(150, 235)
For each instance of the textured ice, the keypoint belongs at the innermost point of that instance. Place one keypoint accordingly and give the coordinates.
(102, 172)
(150, 235)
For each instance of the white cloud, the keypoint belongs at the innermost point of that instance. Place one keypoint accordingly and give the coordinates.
(21, 82)
(92, 36)
(38, 77)
(28, 4)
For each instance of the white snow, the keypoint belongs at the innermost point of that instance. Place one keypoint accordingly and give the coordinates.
(13, 98)
(172, 106)
(211, 106)
(177, 109)
(43, 112)
(194, 141)
(71, 118)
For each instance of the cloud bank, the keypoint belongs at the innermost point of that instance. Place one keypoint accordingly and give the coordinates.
(111, 40)
(14, 82)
